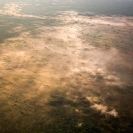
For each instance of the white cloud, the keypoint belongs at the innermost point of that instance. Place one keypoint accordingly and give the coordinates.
(104, 109)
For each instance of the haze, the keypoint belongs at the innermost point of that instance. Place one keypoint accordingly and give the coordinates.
(66, 66)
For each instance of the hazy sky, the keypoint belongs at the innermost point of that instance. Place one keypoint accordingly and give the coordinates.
(108, 7)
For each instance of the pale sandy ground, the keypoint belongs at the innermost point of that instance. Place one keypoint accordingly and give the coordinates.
(59, 56)
(15, 10)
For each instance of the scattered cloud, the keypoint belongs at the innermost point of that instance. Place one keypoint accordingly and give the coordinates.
(104, 109)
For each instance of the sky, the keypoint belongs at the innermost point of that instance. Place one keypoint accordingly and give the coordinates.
(107, 7)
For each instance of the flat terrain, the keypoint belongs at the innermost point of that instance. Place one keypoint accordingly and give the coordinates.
(68, 73)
